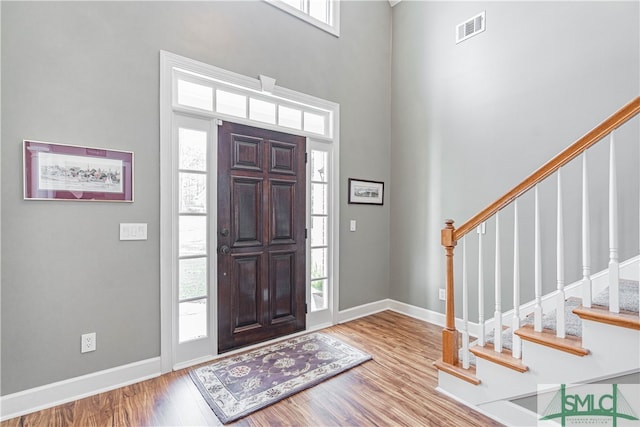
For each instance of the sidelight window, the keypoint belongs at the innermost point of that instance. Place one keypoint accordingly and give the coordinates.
(193, 295)
(320, 228)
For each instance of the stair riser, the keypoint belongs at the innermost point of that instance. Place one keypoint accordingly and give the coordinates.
(616, 349)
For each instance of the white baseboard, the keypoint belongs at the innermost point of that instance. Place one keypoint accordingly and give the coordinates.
(47, 396)
(418, 312)
(400, 307)
(363, 310)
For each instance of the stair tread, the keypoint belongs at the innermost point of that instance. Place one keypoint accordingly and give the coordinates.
(625, 319)
(504, 358)
(468, 375)
(570, 344)
(628, 295)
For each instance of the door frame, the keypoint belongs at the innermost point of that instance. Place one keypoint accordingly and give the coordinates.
(170, 64)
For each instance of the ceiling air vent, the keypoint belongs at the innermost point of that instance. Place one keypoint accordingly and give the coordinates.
(470, 27)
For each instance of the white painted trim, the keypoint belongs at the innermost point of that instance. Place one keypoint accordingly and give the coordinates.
(193, 362)
(363, 310)
(420, 313)
(167, 62)
(335, 195)
(1, 206)
(58, 393)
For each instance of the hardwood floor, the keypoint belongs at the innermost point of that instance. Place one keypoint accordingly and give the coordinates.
(396, 388)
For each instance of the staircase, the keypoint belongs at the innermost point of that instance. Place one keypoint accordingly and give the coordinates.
(583, 332)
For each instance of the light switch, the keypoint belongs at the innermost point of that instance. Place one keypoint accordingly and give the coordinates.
(133, 231)
(352, 225)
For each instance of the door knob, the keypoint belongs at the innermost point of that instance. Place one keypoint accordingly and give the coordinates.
(224, 250)
(224, 232)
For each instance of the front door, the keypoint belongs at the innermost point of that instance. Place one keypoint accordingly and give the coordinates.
(261, 235)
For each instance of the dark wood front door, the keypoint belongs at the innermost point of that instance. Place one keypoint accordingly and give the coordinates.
(261, 235)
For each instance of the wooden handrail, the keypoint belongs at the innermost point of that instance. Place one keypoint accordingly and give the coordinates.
(573, 151)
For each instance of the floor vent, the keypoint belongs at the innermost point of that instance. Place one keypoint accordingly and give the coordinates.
(470, 27)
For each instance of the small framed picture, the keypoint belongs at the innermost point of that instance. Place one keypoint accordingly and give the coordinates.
(70, 172)
(366, 192)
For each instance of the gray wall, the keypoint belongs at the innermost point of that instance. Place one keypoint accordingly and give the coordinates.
(87, 73)
(470, 121)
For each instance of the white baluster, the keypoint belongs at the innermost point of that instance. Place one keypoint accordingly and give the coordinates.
(481, 326)
(614, 265)
(497, 314)
(465, 308)
(560, 321)
(537, 310)
(515, 325)
(586, 236)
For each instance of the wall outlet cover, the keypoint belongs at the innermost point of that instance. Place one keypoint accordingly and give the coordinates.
(88, 342)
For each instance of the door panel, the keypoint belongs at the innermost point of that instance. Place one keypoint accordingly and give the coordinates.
(246, 273)
(246, 153)
(246, 221)
(283, 158)
(283, 212)
(282, 268)
(261, 235)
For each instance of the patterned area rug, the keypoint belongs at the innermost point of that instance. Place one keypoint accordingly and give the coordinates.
(241, 384)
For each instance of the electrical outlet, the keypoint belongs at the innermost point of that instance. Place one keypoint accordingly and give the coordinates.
(442, 294)
(88, 342)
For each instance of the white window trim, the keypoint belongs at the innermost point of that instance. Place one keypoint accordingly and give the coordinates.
(333, 28)
(321, 317)
(236, 83)
(169, 63)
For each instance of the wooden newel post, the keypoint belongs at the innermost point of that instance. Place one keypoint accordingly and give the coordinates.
(449, 333)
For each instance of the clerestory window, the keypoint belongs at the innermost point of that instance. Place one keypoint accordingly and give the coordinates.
(324, 14)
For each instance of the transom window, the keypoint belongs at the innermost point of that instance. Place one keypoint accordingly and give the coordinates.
(324, 14)
(228, 101)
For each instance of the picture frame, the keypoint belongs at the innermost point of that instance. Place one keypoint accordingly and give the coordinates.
(365, 192)
(70, 172)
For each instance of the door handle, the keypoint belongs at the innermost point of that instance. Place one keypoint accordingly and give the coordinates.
(224, 250)
(224, 232)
